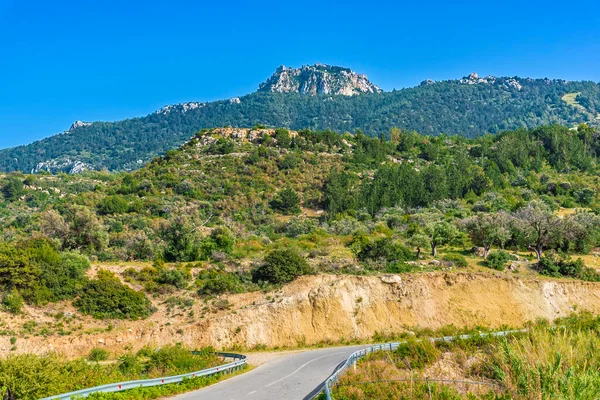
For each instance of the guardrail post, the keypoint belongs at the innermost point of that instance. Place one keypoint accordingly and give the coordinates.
(327, 391)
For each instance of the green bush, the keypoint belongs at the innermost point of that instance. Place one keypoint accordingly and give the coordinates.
(130, 364)
(498, 259)
(13, 189)
(12, 301)
(281, 266)
(398, 267)
(40, 272)
(384, 250)
(173, 277)
(557, 267)
(289, 161)
(113, 205)
(216, 281)
(221, 146)
(159, 279)
(98, 354)
(287, 201)
(106, 297)
(28, 376)
(455, 260)
(178, 358)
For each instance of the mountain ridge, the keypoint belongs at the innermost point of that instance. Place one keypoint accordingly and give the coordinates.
(470, 106)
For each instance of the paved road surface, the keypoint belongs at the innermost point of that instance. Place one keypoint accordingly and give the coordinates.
(295, 377)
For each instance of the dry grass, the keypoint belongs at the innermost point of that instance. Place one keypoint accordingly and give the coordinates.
(549, 362)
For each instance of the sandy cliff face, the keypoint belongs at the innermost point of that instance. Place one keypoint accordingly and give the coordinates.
(328, 307)
(321, 308)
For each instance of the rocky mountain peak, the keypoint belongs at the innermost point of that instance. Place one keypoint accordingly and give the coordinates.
(78, 124)
(318, 79)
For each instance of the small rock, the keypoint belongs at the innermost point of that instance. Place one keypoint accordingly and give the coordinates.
(101, 341)
(478, 251)
(391, 279)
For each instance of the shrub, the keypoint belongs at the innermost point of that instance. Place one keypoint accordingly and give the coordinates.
(40, 272)
(384, 249)
(13, 189)
(113, 205)
(106, 297)
(289, 161)
(455, 260)
(98, 354)
(287, 201)
(12, 301)
(28, 376)
(556, 267)
(172, 277)
(129, 364)
(398, 267)
(222, 146)
(179, 358)
(215, 281)
(498, 259)
(281, 266)
(282, 136)
(417, 354)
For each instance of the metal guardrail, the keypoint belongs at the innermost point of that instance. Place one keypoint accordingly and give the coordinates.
(238, 363)
(354, 357)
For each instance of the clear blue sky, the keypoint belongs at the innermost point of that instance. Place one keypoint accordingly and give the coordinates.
(106, 60)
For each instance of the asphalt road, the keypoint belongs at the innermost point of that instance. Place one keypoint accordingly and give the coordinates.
(295, 377)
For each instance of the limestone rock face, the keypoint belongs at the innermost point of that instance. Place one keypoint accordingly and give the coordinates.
(78, 124)
(318, 79)
(64, 164)
(182, 108)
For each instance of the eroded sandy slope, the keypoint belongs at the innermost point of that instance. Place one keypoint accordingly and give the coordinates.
(333, 307)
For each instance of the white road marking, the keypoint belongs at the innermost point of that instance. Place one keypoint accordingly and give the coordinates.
(252, 392)
(302, 366)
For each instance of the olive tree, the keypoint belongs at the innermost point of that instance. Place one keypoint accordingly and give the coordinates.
(488, 229)
(537, 227)
(440, 233)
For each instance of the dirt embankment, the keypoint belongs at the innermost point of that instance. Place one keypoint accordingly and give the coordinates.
(330, 308)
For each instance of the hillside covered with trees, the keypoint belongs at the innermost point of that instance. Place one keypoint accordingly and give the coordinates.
(255, 207)
(469, 107)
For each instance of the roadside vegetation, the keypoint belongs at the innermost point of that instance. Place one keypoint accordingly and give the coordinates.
(29, 376)
(549, 361)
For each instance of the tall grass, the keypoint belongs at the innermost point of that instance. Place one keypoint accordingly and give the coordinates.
(550, 364)
(30, 376)
(550, 361)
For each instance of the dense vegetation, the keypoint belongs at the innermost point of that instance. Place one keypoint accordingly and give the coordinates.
(32, 377)
(447, 107)
(549, 361)
(248, 214)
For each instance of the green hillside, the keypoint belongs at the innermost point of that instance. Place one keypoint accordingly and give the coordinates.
(469, 107)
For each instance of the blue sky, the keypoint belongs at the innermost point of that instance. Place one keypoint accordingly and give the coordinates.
(106, 60)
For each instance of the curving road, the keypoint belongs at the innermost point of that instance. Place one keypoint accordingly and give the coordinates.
(298, 376)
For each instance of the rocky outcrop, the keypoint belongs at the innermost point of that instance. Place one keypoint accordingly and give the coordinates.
(318, 79)
(474, 79)
(78, 124)
(62, 165)
(183, 107)
(237, 135)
